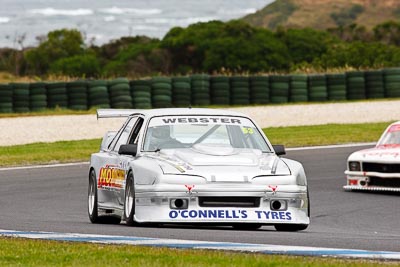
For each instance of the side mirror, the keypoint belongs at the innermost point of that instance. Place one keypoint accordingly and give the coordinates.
(128, 150)
(279, 149)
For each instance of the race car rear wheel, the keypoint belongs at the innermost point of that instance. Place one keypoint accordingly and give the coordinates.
(129, 206)
(290, 227)
(92, 198)
(93, 210)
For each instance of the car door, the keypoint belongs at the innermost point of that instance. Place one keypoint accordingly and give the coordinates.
(111, 176)
(129, 136)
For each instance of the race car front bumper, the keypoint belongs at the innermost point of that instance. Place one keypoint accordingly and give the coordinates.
(202, 204)
(371, 188)
(372, 181)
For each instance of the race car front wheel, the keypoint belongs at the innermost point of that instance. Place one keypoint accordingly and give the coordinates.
(129, 209)
(290, 227)
(247, 226)
(92, 198)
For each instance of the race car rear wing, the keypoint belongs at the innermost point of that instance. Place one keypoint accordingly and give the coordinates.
(116, 113)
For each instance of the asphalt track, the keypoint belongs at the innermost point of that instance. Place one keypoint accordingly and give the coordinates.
(53, 199)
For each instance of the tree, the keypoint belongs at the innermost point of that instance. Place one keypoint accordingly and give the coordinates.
(235, 45)
(77, 66)
(305, 45)
(141, 56)
(388, 33)
(58, 44)
(359, 55)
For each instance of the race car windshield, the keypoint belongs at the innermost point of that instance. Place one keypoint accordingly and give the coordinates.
(213, 132)
(391, 137)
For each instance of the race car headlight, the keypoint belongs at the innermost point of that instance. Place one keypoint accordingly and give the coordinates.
(354, 166)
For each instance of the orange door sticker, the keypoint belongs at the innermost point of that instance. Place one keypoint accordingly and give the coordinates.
(111, 177)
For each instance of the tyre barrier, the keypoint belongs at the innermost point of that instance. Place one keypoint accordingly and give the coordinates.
(141, 94)
(37, 96)
(57, 95)
(6, 98)
(392, 82)
(240, 90)
(161, 92)
(317, 90)
(279, 88)
(374, 84)
(200, 84)
(336, 85)
(77, 95)
(120, 93)
(181, 91)
(259, 90)
(98, 94)
(199, 90)
(20, 97)
(298, 89)
(220, 90)
(355, 82)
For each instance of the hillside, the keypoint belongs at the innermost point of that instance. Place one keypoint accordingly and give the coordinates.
(324, 14)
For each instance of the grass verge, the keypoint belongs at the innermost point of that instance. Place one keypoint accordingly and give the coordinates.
(49, 112)
(25, 252)
(329, 134)
(75, 151)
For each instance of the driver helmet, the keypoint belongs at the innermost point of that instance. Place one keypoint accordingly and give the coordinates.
(161, 132)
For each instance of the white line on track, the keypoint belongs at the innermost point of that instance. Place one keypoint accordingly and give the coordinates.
(43, 166)
(330, 146)
(191, 244)
(82, 163)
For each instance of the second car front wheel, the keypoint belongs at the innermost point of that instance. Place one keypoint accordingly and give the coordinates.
(129, 205)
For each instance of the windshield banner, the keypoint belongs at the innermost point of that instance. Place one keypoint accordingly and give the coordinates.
(201, 120)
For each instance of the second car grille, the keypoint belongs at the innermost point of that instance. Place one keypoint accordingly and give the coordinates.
(239, 202)
(386, 182)
(381, 167)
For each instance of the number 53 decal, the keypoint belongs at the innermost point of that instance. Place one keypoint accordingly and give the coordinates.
(247, 130)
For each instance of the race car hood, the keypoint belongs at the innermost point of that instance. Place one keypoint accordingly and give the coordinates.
(387, 153)
(220, 161)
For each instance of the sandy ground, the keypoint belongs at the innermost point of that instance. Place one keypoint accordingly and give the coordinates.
(24, 130)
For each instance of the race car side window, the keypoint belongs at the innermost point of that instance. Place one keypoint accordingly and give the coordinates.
(123, 137)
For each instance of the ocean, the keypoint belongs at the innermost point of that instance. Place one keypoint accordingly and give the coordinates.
(23, 22)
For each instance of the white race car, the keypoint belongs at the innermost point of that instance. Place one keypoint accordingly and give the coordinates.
(195, 166)
(378, 168)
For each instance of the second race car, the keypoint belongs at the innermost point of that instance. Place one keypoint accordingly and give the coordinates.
(378, 168)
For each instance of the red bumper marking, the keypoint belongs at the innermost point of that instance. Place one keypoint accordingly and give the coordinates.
(273, 187)
(189, 187)
(353, 182)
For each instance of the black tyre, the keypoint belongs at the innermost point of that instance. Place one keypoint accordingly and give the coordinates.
(92, 198)
(247, 226)
(290, 227)
(295, 227)
(129, 204)
(92, 204)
